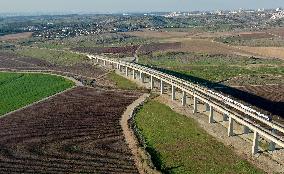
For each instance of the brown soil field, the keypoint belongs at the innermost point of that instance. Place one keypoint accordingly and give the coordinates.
(273, 93)
(272, 98)
(158, 34)
(208, 46)
(17, 36)
(10, 61)
(277, 31)
(269, 52)
(75, 132)
(149, 48)
(254, 35)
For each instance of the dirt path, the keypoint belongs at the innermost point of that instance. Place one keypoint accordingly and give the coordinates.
(140, 155)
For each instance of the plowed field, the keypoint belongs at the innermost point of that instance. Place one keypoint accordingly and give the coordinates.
(10, 61)
(75, 132)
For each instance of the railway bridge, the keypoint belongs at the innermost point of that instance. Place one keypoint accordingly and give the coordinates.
(233, 112)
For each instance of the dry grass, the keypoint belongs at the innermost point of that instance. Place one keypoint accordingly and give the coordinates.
(277, 31)
(269, 52)
(158, 34)
(17, 36)
(209, 47)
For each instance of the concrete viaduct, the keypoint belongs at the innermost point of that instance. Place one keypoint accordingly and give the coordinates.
(232, 111)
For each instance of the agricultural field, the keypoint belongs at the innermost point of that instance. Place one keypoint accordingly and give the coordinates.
(178, 145)
(82, 71)
(59, 57)
(77, 131)
(253, 39)
(18, 36)
(265, 52)
(20, 89)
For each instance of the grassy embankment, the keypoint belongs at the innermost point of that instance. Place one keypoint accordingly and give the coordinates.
(121, 82)
(214, 68)
(20, 89)
(178, 145)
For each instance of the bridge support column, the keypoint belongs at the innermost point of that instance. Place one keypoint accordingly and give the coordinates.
(246, 130)
(126, 71)
(133, 74)
(173, 92)
(117, 66)
(142, 77)
(183, 100)
(152, 82)
(255, 143)
(194, 104)
(207, 107)
(211, 119)
(104, 63)
(272, 144)
(231, 127)
(97, 60)
(225, 117)
(162, 86)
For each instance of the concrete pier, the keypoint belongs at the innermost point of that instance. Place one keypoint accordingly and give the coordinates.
(173, 92)
(211, 119)
(126, 71)
(231, 127)
(152, 82)
(162, 86)
(255, 143)
(272, 144)
(142, 77)
(194, 104)
(133, 74)
(183, 100)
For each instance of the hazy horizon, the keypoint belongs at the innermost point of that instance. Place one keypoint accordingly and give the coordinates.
(115, 6)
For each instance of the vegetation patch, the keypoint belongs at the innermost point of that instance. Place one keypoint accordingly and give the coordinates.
(122, 82)
(20, 89)
(53, 56)
(178, 145)
(215, 68)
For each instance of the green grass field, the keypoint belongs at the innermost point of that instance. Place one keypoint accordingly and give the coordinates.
(121, 82)
(20, 89)
(52, 56)
(214, 68)
(178, 145)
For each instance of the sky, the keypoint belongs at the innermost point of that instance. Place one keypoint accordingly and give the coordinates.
(112, 6)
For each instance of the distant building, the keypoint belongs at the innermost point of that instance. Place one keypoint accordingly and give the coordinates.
(278, 15)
